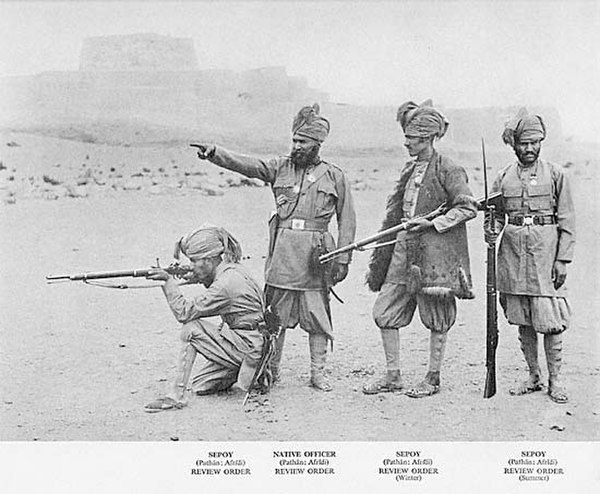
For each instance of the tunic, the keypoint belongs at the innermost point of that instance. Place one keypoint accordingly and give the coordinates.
(305, 202)
(527, 253)
(439, 256)
(234, 295)
(233, 348)
(442, 252)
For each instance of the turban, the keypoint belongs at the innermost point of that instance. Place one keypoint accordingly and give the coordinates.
(421, 120)
(524, 127)
(209, 241)
(308, 123)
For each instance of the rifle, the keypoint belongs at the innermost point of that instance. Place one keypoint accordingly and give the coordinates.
(270, 330)
(491, 300)
(174, 269)
(360, 244)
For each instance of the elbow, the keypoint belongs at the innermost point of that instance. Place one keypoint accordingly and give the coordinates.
(182, 316)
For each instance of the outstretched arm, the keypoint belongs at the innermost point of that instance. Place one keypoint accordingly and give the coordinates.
(246, 165)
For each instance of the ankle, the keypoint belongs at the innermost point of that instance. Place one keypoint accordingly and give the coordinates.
(393, 374)
(433, 378)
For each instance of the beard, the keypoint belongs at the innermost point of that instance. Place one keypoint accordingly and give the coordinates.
(303, 159)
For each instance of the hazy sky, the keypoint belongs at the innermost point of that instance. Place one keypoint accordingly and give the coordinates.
(458, 53)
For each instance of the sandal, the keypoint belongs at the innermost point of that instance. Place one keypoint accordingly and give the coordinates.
(162, 404)
(526, 388)
(382, 385)
(558, 394)
(423, 390)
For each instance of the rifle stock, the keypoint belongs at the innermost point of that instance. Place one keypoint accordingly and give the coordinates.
(492, 324)
(491, 330)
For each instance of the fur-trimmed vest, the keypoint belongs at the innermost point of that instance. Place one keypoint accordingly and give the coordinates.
(430, 262)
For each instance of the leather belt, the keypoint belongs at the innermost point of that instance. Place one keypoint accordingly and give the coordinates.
(531, 220)
(303, 224)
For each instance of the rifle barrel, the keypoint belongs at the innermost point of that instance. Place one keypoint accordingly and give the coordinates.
(99, 275)
(493, 198)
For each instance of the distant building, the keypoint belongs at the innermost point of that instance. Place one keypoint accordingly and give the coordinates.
(155, 80)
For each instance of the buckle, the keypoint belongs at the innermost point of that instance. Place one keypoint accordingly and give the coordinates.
(298, 224)
(528, 220)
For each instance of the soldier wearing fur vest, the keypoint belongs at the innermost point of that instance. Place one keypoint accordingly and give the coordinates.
(428, 264)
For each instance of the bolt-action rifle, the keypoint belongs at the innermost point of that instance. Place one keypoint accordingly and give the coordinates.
(489, 389)
(362, 244)
(175, 269)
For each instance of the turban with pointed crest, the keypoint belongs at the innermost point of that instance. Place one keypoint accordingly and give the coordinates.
(421, 120)
(308, 123)
(524, 127)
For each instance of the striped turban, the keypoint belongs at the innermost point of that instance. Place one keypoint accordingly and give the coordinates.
(209, 241)
(421, 120)
(308, 123)
(524, 127)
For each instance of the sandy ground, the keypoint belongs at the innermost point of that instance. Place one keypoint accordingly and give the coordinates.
(80, 362)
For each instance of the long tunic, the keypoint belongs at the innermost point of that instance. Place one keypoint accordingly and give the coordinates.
(527, 253)
(440, 254)
(234, 295)
(305, 203)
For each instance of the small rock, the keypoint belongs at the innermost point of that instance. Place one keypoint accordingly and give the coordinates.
(174, 438)
(558, 428)
(211, 190)
(51, 180)
(122, 345)
(234, 181)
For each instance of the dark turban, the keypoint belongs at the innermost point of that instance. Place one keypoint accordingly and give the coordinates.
(209, 241)
(421, 120)
(308, 123)
(524, 127)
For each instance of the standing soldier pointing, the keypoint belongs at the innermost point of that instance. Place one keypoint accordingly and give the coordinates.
(538, 219)
(308, 192)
